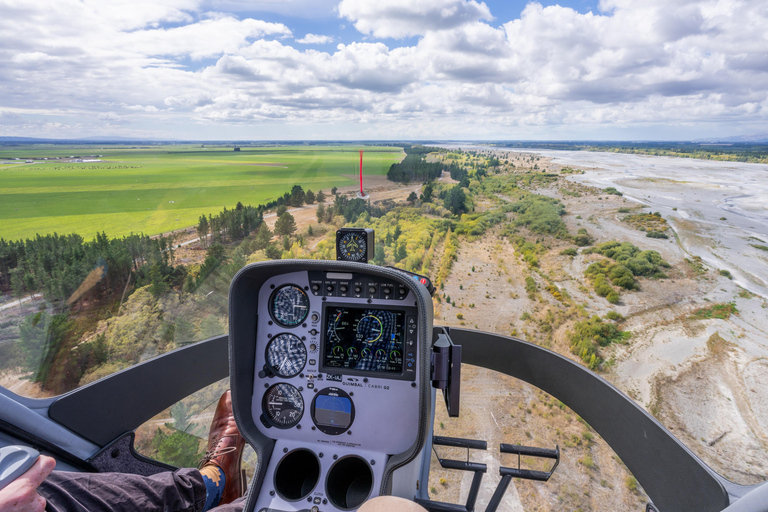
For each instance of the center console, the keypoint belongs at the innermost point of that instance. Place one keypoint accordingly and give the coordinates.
(330, 373)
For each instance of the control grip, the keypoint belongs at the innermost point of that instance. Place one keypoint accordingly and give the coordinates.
(15, 460)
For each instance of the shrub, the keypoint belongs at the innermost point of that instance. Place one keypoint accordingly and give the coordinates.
(531, 287)
(656, 234)
(570, 251)
(720, 311)
(726, 273)
(541, 214)
(612, 191)
(591, 334)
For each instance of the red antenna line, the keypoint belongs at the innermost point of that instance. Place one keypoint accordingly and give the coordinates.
(361, 173)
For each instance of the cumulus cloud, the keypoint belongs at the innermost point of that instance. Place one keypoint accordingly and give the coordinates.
(177, 61)
(315, 39)
(403, 18)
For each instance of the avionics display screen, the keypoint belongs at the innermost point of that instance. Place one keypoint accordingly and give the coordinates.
(364, 339)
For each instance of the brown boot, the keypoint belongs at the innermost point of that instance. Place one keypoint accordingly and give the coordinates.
(225, 450)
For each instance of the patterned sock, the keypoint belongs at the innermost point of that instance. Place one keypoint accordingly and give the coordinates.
(214, 480)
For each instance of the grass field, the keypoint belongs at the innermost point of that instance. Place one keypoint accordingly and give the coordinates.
(161, 188)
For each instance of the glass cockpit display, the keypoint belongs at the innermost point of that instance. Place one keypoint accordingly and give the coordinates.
(364, 339)
(289, 305)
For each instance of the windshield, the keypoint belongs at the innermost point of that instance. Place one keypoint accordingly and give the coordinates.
(147, 153)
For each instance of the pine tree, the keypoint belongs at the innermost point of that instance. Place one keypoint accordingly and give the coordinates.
(285, 225)
(263, 236)
(320, 212)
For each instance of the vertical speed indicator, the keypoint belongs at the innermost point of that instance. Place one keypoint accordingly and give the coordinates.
(289, 305)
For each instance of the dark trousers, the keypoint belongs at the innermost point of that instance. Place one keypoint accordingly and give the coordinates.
(177, 491)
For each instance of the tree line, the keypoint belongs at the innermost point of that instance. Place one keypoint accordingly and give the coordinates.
(414, 166)
(67, 268)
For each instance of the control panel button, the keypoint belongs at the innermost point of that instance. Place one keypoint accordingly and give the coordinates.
(411, 327)
(343, 288)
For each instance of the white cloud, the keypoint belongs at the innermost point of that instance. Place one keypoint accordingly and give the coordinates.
(207, 38)
(315, 39)
(109, 116)
(631, 64)
(403, 18)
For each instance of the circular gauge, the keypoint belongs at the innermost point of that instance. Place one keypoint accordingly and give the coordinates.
(286, 355)
(289, 305)
(283, 405)
(369, 329)
(366, 352)
(353, 246)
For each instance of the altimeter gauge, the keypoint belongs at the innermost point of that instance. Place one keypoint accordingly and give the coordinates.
(286, 355)
(354, 244)
(283, 406)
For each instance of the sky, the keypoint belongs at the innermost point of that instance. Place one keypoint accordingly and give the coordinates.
(384, 69)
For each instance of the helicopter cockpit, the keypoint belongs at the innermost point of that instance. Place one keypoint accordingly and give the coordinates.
(335, 369)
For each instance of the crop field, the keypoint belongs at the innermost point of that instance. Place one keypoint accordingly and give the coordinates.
(161, 188)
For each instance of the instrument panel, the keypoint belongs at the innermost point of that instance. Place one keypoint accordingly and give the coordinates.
(336, 382)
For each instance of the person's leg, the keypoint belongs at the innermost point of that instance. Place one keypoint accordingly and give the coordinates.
(390, 504)
(218, 481)
(380, 504)
(235, 506)
(182, 491)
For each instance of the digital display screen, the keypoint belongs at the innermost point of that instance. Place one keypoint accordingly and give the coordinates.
(364, 339)
(333, 411)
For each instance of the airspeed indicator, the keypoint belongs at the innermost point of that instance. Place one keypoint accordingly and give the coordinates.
(289, 305)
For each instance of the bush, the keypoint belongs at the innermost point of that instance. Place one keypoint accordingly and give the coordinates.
(591, 334)
(726, 273)
(720, 311)
(656, 234)
(612, 191)
(531, 287)
(613, 315)
(570, 251)
(541, 214)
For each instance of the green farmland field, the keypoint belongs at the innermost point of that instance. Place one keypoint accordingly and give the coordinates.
(161, 188)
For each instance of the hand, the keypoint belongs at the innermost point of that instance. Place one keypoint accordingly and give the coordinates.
(21, 494)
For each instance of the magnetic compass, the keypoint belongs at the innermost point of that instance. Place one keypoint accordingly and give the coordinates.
(354, 244)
